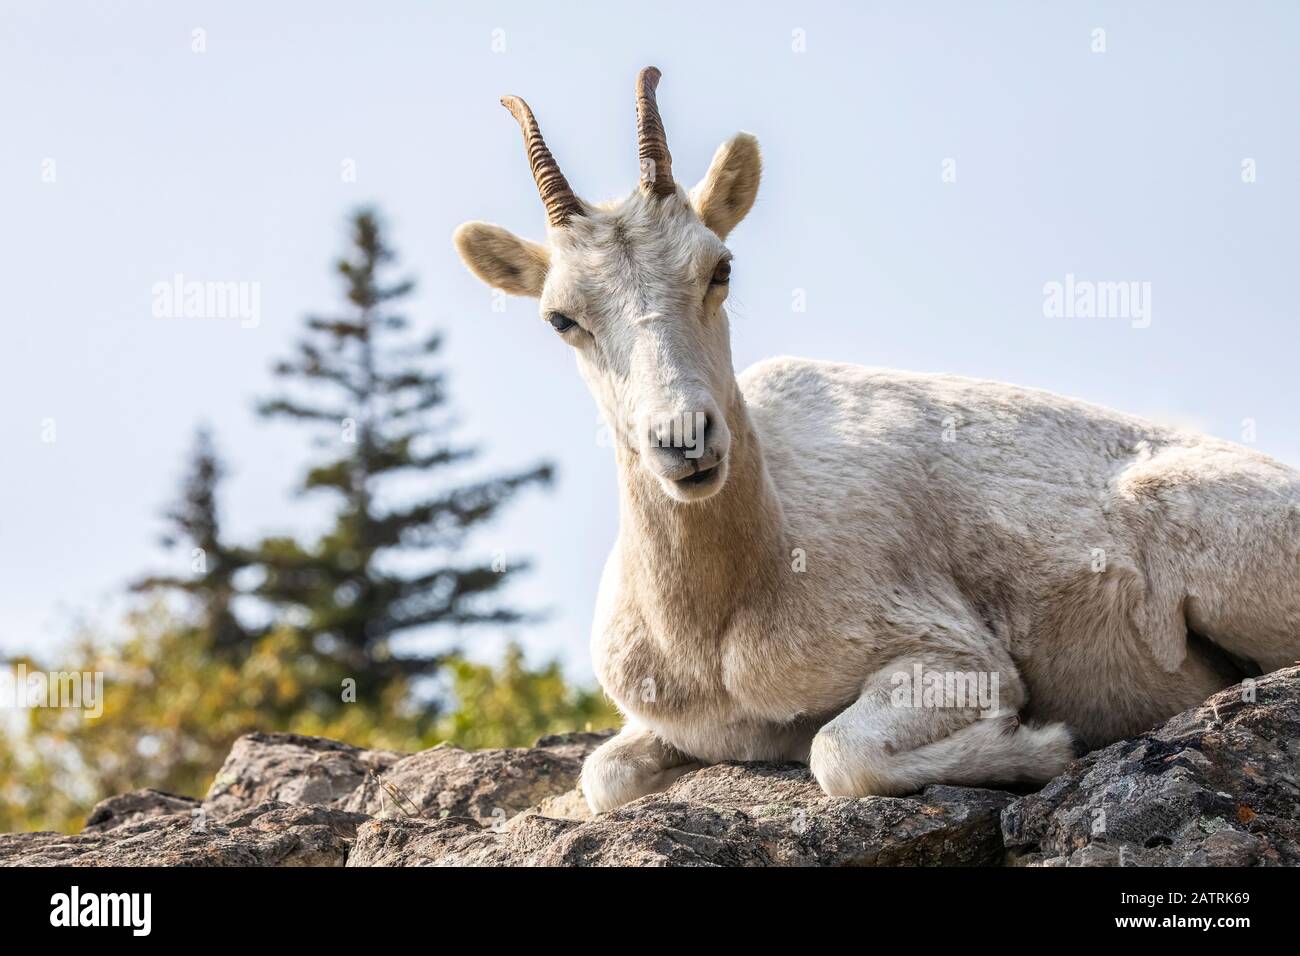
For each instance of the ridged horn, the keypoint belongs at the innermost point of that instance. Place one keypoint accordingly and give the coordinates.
(559, 199)
(652, 144)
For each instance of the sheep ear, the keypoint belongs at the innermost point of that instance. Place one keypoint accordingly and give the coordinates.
(727, 191)
(502, 259)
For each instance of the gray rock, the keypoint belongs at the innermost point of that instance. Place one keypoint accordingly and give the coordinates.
(725, 815)
(136, 806)
(1218, 785)
(577, 744)
(292, 769)
(270, 835)
(489, 786)
(451, 841)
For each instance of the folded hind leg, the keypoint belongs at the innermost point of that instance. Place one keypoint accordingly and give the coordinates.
(1220, 534)
(1266, 633)
(1243, 590)
(892, 741)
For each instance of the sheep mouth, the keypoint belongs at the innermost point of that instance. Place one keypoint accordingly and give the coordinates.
(701, 477)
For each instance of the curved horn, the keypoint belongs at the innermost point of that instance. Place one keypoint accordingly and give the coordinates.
(652, 144)
(561, 204)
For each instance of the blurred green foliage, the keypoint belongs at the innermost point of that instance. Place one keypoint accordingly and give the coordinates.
(511, 706)
(172, 708)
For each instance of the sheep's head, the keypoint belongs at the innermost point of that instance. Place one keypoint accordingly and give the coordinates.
(636, 287)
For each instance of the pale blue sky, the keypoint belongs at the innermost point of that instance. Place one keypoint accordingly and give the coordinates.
(225, 165)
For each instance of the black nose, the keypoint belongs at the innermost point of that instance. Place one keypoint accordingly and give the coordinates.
(703, 432)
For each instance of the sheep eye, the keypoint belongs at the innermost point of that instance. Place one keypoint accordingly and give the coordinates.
(561, 323)
(722, 274)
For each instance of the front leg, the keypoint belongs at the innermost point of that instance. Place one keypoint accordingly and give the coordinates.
(630, 765)
(889, 742)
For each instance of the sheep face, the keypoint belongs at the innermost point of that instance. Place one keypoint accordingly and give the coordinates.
(636, 287)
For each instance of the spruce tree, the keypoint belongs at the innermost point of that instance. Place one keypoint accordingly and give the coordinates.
(193, 522)
(375, 396)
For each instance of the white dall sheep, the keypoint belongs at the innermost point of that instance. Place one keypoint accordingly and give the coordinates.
(898, 578)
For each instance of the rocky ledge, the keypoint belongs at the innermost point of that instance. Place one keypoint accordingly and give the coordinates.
(1217, 785)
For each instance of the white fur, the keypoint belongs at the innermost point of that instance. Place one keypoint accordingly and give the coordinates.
(861, 522)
